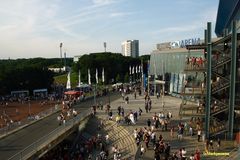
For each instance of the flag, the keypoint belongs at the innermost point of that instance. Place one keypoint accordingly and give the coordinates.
(79, 78)
(129, 69)
(133, 70)
(96, 76)
(139, 69)
(89, 77)
(136, 71)
(103, 75)
(68, 86)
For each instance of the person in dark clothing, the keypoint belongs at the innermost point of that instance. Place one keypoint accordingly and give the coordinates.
(135, 114)
(119, 110)
(122, 111)
(140, 111)
(148, 122)
(167, 151)
(110, 114)
(146, 107)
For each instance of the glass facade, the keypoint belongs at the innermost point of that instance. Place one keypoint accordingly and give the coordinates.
(172, 63)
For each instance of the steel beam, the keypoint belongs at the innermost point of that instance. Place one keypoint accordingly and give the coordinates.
(232, 81)
(209, 75)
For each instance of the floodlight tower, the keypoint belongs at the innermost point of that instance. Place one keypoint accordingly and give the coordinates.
(61, 44)
(105, 46)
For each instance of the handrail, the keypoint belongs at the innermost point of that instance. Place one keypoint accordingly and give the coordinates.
(51, 135)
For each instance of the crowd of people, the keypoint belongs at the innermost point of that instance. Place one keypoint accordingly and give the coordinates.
(195, 62)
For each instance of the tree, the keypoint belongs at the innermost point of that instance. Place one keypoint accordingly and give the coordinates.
(126, 78)
(118, 78)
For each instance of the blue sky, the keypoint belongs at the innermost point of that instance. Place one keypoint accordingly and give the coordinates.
(34, 28)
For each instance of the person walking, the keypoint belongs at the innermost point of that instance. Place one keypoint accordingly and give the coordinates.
(199, 135)
(142, 151)
(148, 122)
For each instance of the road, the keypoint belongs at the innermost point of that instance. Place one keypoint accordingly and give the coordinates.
(17, 141)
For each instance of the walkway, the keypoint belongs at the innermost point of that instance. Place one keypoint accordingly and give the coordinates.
(171, 104)
(14, 143)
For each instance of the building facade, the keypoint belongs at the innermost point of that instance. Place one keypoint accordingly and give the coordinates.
(130, 48)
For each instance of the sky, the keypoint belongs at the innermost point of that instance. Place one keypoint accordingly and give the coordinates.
(35, 28)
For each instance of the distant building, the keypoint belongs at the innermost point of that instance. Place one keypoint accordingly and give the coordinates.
(57, 70)
(76, 58)
(130, 48)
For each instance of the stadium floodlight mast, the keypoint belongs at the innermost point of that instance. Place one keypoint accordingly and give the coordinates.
(105, 46)
(61, 44)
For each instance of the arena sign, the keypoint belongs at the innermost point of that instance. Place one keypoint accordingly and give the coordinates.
(184, 43)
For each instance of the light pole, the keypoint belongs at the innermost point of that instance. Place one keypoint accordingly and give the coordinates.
(109, 97)
(61, 44)
(94, 95)
(29, 108)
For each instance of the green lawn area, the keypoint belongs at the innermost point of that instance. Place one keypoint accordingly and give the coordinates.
(62, 79)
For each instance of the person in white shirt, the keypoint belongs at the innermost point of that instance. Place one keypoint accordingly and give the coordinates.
(142, 150)
(184, 152)
(199, 134)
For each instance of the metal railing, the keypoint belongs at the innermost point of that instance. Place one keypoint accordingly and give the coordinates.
(45, 140)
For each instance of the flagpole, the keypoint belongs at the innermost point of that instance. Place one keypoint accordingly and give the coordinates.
(142, 77)
(148, 76)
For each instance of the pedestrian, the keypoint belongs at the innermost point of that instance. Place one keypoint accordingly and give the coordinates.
(122, 111)
(110, 115)
(148, 122)
(119, 110)
(199, 135)
(190, 131)
(218, 143)
(140, 111)
(142, 151)
(172, 132)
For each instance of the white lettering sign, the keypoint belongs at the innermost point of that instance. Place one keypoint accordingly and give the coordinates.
(184, 43)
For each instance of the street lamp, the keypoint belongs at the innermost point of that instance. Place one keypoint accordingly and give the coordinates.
(29, 108)
(61, 44)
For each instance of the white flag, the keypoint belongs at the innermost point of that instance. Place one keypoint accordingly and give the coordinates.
(96, 76)
(68, 81)
(89, 77)
(136, 69)
(139, 69)
(79, 78)
(129, 69)
(103, 75)
(133, 70)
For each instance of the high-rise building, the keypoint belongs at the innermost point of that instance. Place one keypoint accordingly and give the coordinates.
(130, 48)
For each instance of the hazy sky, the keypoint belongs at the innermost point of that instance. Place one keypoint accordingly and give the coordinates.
(35, 28)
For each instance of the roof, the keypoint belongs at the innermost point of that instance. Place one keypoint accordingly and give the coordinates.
(72, 93)
(227, 9)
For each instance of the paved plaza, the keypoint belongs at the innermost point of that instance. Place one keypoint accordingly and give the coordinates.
(171, 105)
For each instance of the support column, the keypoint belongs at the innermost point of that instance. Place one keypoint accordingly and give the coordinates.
(232, 81)
(208, 82)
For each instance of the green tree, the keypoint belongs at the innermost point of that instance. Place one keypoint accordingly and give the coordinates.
(118, 78)
(126, 78)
